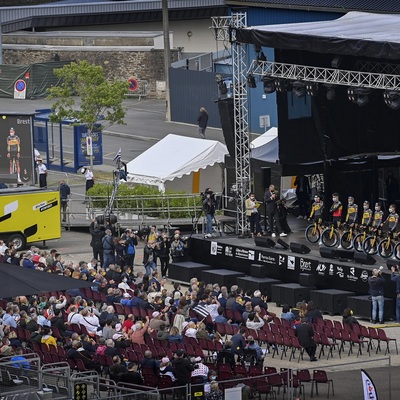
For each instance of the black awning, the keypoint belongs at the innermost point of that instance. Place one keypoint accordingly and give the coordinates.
(357, 34)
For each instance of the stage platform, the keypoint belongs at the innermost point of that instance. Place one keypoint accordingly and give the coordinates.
(285, 266)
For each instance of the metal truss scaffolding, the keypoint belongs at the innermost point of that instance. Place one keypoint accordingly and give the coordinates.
(371, 80)
(225, 28)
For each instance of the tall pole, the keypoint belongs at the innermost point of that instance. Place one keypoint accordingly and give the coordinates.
(167, 57)
(1, 38)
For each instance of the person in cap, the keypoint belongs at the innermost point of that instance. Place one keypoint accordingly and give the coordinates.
(158, 319)
(166, 368)
(126, 299)
(200, 369)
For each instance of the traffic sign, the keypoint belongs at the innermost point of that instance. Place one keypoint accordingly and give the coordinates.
(20, 89)
(133, 84)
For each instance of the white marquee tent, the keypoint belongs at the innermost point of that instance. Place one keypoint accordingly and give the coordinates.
(174, 157)
(266, 146)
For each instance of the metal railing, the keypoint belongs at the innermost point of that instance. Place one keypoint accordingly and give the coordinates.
(142, 90)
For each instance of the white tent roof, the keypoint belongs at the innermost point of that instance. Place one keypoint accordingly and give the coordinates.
(266, 146)
(173, 157)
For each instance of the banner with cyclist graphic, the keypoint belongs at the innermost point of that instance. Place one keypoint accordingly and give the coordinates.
(16, 149)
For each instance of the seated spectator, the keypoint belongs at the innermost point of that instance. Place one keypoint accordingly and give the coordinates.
(78, 352)
(287, 314)
(348, 317)
(202, 333)
(89, 344)
(312, 313)
(128, 323)
(90, 321)
(19, 361)
(158, 319)
(252, 345)
(259, 300)
(58, 322)
(215, 392)
(111, 350)
(166, 368)
(101, 348)
(149, 362)
(32, 325)
(132, 376)
(139, 330)
(126, 299)
(37, 335)
(256, 322)
(189, 329)
(238, 342)
(6, 350)
(47, 337)
(238, 304)
(174, 335)
(117, 369)
(199, 369)
(248, 309)
(220, 318)
(162, 333)
(212, 377)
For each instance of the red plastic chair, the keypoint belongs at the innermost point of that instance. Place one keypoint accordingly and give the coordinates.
(320, 376)
(383, 338)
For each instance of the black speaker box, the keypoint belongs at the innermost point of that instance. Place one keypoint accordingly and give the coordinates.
(392, 263)
(363, 258)
(226, 115)
(345, 254)
(283, 244)
(262, 284)
(224, 277)
(362, 307)
(185, 271)
(299, 248)
(307, 280)
(258, 270)
(332, 301)
(328, 252)
(264, 242)
(290, 293)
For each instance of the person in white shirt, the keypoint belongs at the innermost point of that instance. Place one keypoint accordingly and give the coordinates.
(42, 171)
(89, 179)
(190, 330)
(90, 321)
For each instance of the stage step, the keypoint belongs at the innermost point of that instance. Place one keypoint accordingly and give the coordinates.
(224, 277)
(332, 301)
(290, 293)
(362, 307)
(186, 270)
(262, 284)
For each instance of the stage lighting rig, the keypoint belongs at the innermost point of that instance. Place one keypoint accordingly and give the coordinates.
(330, 92)
(269, 84)
(251, 81)
(392, 99)
(312, 89)
(282, 85)
(299, 88)
(362, 96)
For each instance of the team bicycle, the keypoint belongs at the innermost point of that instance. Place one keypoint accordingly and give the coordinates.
(373, 235)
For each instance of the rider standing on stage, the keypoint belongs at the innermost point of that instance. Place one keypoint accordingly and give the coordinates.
(317, 209)
(336, 210)
(377, 217)
(366, 220)
(352, 211)
(392, 219)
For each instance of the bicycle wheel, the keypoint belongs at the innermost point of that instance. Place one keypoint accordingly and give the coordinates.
(397, 251)
(370, 245)
(385, 248)
(347, 240)
(357, 242)
(312, 233)
(329, 238)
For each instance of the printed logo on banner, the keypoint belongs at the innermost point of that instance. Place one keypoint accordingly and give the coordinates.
(352, 275)
(321, 268)
(243, 254)
(281, 259)
(291, 262)
(252, 255)
(229, 251)
(364, 275)
(305, 265)
(267, 258)
(340, 272)
(214, 248)
(331, 270)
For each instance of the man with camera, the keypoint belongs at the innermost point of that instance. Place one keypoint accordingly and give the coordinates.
(209, 210)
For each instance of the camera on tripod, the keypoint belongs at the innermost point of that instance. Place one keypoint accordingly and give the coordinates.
(207, 194)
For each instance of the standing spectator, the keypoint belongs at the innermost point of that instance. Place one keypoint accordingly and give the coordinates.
(97, 241)
(108, 249)
(200, 369)
(238, 342)
(209, 210)
(396, 278)
(303, 194)
(376, 282)
(305, 334)
(65, 192)
(130, 248)
(252, 213)
(139, 329)
(132, 376)
(166, 368)
(177, 248)
(42, 171)
(271, 211)
(163, 249)
(89, 178)
(202, 120)
(183, 369)
(148, 258)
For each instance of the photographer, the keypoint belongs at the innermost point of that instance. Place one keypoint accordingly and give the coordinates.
(396, 278)
(130, 249)
(376, 282)
(209, 210)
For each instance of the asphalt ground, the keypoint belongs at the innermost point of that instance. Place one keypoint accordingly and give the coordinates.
(146, 123)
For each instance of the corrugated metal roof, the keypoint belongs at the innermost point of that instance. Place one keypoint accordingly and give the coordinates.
(72, 12)
(388, 6)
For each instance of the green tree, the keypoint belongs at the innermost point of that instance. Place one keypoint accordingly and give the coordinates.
(97, 95)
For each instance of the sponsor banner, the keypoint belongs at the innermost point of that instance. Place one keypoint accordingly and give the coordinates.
(291, 262)
(267, 258)
(370, 392)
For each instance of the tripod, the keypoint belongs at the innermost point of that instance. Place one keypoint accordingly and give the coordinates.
(202, 214)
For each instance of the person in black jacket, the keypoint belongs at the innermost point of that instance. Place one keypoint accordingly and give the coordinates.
(108, 249)
(305, 334)
(202, 120)
(271, 211)
(96, 243)
(182, 371)
(163, 248)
